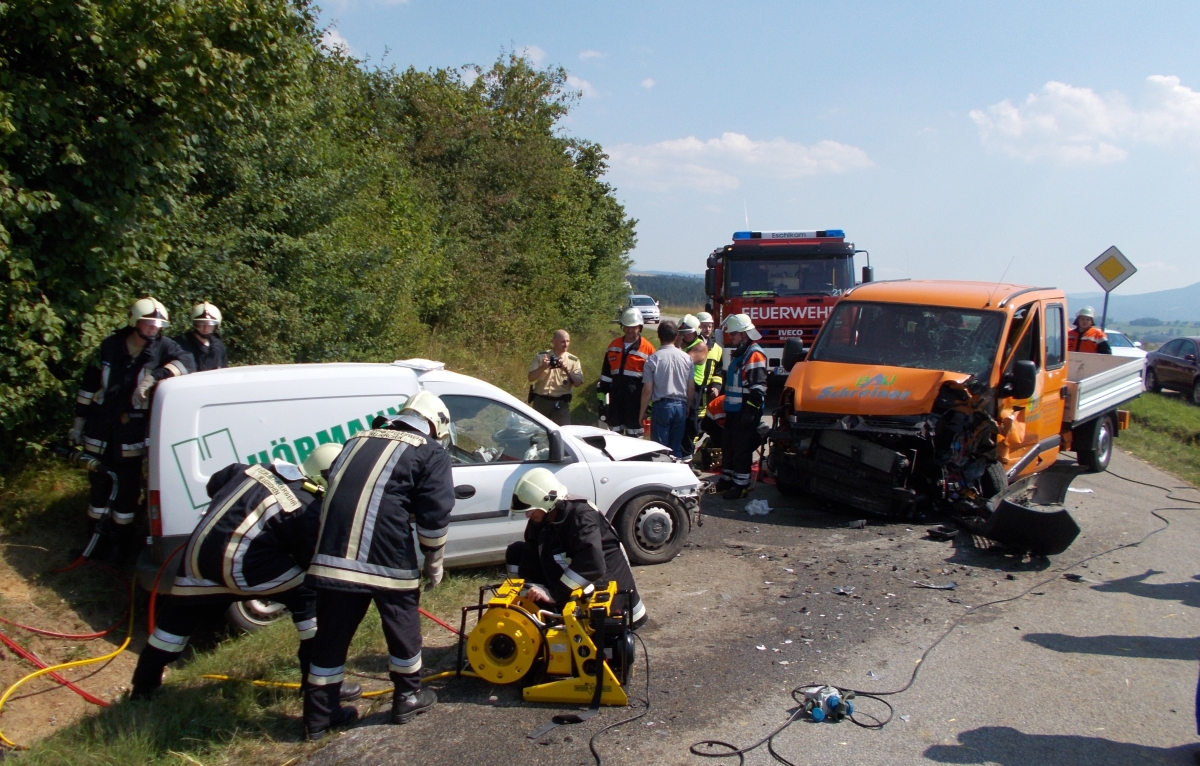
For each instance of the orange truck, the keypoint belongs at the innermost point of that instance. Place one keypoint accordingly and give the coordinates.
(954, 398)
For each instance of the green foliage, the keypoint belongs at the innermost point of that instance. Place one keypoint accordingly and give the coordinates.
(670, 290)
(209, 149)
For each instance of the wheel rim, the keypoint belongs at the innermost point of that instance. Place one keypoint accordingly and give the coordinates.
(1151, 379)
(1103, 444)
(654, 527)
(1196, 393)
(261, 610)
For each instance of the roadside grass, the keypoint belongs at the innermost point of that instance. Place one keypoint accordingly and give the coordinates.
(1165, 432)
(193, 719)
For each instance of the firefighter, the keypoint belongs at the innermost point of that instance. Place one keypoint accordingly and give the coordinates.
(386, 485)
(620, 386)
(708, 376)
(255, 541)
(112, 415)
(745, 396)
(568, 545)
(204, 342)
(1085, 336)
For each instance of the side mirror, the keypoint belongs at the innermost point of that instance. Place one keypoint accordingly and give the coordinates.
(1137, 344)
(793, 351)
(556, 447)
(868, 274)
(710, 281)
(1189, 357)
(708, 306)
(1024, 379)
(656, 303)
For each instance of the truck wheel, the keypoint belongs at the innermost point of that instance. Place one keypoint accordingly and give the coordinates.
(254, 614)
(653, 529)
(994, 480)
(1097, 456)
(1152, 383)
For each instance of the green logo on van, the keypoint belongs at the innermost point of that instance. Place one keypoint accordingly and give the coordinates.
(301, 447)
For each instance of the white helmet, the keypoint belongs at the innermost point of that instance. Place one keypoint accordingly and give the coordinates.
(538, 488)
(319, 461)
(431, 410)
(632, 318)
(689, 323)
(741, 323)
(1086, 311)
(704, 316)
(205, 312)
(149, 309)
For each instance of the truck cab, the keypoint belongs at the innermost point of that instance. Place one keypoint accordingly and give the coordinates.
(943, 394)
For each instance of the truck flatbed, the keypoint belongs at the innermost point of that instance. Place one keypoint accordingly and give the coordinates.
(1097, 383)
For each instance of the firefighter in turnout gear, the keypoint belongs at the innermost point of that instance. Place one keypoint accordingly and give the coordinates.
(203, 342)
(255, 541)
(708, 375)
(745, 396)
(112, 413)
(388, 485)
(568, 546)
(620, 386)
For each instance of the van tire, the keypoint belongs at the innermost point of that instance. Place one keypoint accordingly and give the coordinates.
(1098, 453)
(254, 614)
(994, 480)
(652, 512)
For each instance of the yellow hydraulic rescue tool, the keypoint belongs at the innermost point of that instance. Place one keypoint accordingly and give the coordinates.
(515, 636)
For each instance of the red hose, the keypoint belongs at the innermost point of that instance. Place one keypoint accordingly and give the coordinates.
(76, 636)
(447, 626)
(154, 588)
(41, 666)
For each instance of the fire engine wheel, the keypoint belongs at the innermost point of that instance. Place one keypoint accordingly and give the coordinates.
(254, 614)
(1098, 455)
(653, 529)
(1152, 383)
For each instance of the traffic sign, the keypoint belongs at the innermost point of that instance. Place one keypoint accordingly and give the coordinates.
(1111, 268)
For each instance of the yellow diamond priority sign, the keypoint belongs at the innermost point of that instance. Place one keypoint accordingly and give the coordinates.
(1110, 269)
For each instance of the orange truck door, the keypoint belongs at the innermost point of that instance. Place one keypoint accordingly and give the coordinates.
(1026, 422)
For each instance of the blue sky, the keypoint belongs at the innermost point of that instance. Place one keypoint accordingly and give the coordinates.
(948, 139)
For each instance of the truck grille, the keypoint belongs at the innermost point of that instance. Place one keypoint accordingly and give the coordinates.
(908, 425)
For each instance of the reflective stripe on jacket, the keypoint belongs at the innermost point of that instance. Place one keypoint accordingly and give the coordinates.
(622, 360)
(747, 374)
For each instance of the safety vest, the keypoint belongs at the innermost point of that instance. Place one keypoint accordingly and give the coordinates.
(708, 373)
(747, 372)
(627, 360)
(1089, 342)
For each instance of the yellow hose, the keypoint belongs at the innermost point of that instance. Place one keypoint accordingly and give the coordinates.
(66, 665)
(377, 693)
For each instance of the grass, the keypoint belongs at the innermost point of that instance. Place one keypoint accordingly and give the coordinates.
(197, 720)
(1165, 432)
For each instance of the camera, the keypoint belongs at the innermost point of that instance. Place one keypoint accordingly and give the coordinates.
(555, 362)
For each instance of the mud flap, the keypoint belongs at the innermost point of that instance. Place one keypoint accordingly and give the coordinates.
(1041, 530)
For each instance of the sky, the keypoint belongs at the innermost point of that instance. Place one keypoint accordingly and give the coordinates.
(954, 140)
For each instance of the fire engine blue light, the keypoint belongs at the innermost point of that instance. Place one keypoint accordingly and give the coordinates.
(834, 233)
(742, 235)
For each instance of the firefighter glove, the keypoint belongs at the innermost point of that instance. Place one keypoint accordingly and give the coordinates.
(142, 393)
(433, 568)
(77, 431)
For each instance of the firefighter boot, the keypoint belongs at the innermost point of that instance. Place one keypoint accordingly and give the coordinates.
(407, 706)
(735, 492)
(350, 690)
(147, 676)
(322, 712)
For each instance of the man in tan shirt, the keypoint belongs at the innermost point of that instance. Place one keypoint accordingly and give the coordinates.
(553, 374)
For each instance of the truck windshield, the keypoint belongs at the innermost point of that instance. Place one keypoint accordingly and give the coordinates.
(901, 335)
(816, 276)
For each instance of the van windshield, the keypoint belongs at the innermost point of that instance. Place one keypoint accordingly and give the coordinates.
(902, 335)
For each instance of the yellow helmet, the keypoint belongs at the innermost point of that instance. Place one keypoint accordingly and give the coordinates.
(432, 410)
(319, 461)
(148, 309)
(538, 488)
(205, 312)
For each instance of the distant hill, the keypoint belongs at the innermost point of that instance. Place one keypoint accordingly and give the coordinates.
(1179, 304)
(670, 289)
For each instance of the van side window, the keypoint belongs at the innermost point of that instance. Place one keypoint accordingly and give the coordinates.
(1030, 347)
(1055, 348)
(485, 431)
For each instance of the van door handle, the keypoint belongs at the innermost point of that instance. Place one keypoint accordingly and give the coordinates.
(464, 491)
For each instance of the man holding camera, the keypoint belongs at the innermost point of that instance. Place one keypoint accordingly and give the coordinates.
(553, 374)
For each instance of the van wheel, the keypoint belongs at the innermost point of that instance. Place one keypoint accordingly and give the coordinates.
(1098, 455)
(1152, 383)
(653, 529)
(994, 480)
(254, 614)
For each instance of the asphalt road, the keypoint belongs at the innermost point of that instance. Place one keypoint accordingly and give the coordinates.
(1101, 671)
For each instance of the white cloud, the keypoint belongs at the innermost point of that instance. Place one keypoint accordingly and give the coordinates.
(585, 55)
(534, 54)
(1069, 125)
(719, 164)
(588, 90)
(648, 83)
(332, 40)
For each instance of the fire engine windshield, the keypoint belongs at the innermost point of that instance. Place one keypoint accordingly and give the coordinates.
(816, 276)
(901, 335)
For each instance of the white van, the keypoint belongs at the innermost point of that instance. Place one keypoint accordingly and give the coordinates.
(203, 422)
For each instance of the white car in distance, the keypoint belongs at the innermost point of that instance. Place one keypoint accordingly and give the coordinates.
(1121, 345)
(647, 305)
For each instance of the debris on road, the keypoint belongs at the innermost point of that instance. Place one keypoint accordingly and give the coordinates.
(758, 508)
(859, 524)
(931, 586)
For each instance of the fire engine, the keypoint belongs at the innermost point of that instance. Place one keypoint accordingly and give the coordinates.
(787, 282)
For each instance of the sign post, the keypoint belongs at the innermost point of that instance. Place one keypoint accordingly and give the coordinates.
(1110, 269)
